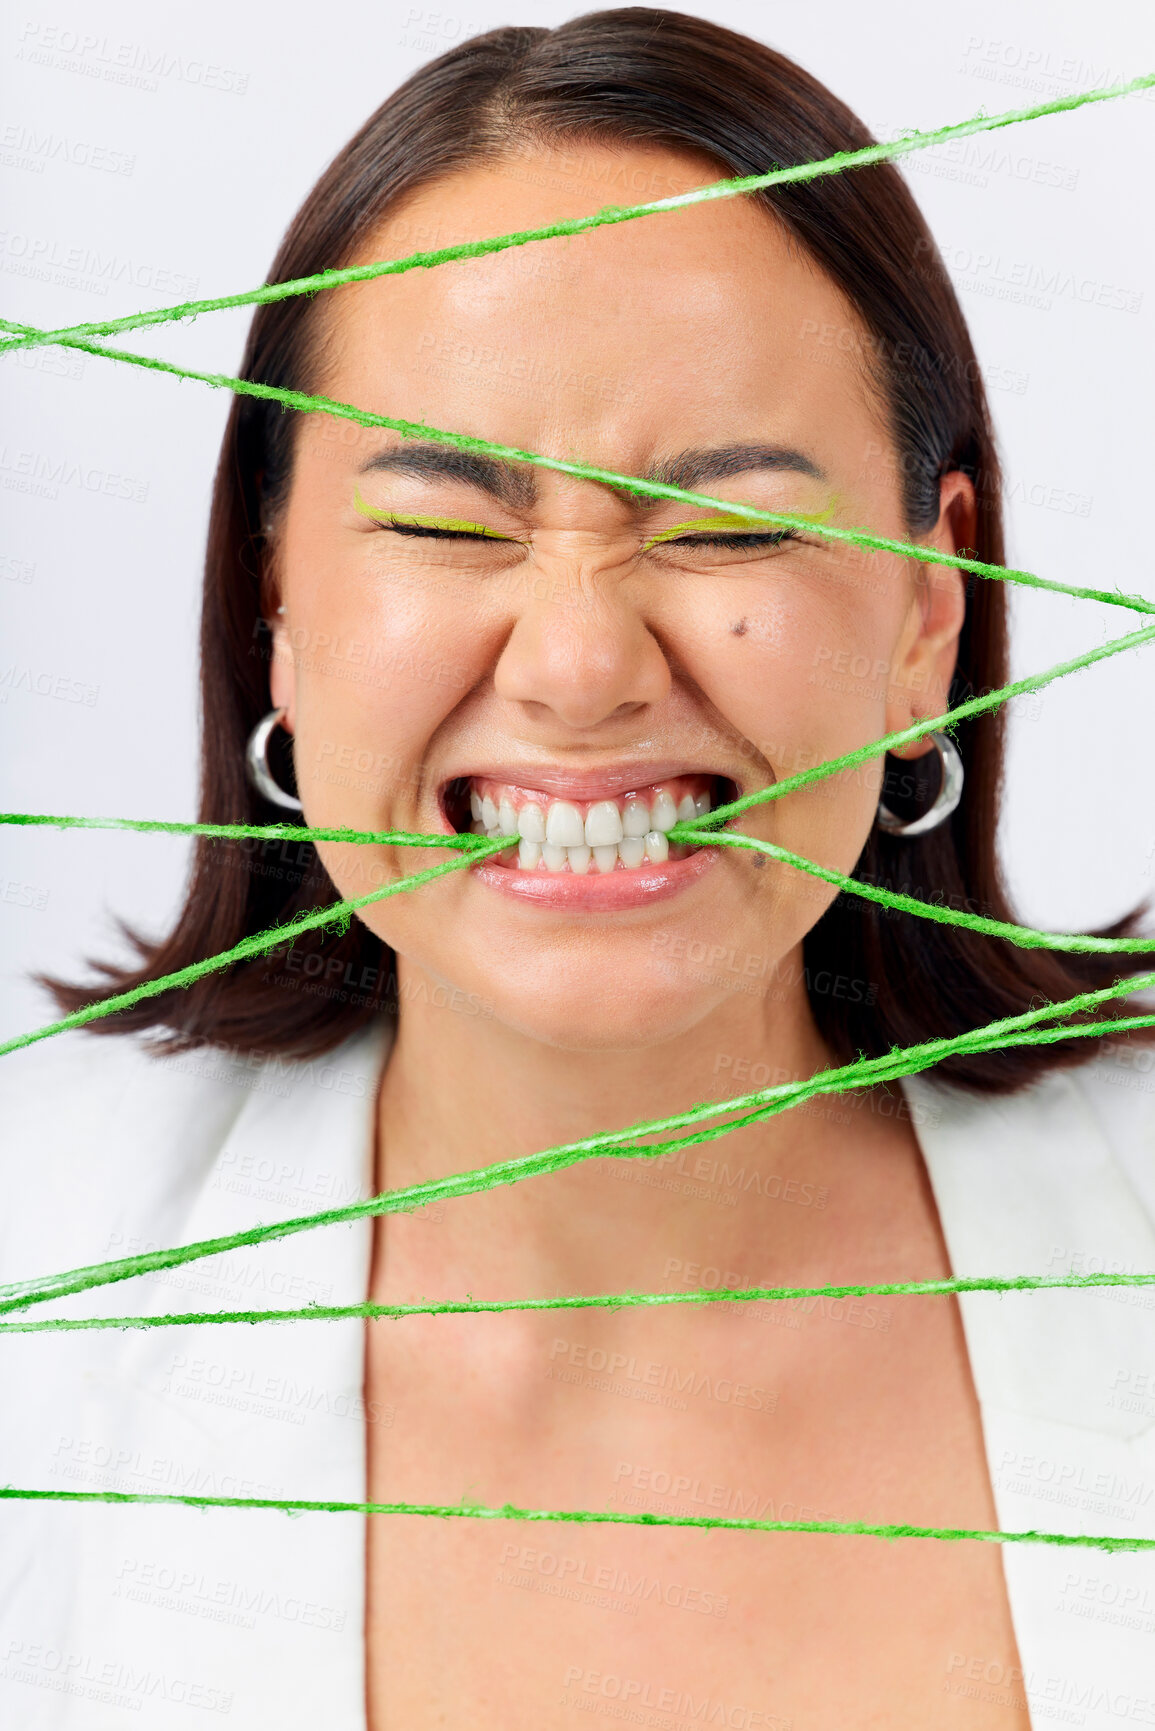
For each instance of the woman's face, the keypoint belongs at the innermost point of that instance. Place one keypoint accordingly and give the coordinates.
(460, 634)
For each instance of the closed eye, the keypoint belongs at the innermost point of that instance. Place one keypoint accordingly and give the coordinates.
(770, 540)
(429, 528)
(732, 533)
(441, 531)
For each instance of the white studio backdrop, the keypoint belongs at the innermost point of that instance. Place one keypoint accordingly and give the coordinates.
(150, 158)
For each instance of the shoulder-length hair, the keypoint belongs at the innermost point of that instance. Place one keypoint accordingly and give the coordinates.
(624, 77)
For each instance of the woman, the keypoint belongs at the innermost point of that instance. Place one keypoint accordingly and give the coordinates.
(453, 642)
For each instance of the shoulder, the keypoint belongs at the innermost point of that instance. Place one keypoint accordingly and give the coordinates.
(1072, 1152)
(63, 1092)
(107, 1142)
(1117, 1089)
(1111, 1094)
(99, 1133)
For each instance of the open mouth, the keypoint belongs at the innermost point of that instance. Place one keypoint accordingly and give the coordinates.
(547, 835)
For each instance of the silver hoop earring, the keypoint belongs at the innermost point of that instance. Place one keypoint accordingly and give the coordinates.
(949, 793)
(257, 764)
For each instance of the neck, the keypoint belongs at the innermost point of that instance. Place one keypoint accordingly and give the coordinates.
(462, 1091)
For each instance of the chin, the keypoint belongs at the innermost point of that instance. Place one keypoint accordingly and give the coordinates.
(642, 1010)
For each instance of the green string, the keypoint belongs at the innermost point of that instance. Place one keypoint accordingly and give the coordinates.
(1000, 1035)
(585, 1301)
(693, 832)
(1023, 936)
(584, 1517)
(690, 831)
(919, 730)
(754, 1108)
(336, 915)
(731, 188)
(242, 831)
(305, 403)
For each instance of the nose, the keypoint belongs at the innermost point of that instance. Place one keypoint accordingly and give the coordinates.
(580, 650)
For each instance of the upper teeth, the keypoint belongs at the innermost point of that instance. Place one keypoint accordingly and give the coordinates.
(553, 833)
(564, 827)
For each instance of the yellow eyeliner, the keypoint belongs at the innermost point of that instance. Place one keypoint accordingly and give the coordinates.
(698, 525)
(456, 525)
(695, 525)
(461, 526)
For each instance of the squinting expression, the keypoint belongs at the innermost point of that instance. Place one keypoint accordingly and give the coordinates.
(469, 644)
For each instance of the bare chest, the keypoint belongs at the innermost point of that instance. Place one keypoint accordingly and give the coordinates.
(815, 1410)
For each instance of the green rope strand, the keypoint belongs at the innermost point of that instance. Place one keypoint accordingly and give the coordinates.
(1012, 1031)
(243, 831)
(583, 1301)
(1023, 936)
(763, 1103)
(919, 730)
(587, 1517)
(336, 915)
(730, 188)
(1027, 937)
(305, 403)
(695, 831)
(689, 831)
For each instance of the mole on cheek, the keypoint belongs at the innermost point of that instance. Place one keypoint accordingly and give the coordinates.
(739, 630)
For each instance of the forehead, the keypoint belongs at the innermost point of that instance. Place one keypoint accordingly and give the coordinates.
(692, 326)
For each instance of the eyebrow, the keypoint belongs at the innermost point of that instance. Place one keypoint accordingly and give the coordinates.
(504, 481)
(515, 484)
(718, 462)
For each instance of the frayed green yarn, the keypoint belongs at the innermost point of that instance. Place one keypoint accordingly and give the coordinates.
(691, 831)
(337, 917)
(246, 831)
(1024, 936)
(793, 1295)
(919, 730)
(304, 403)
(1020, 1030)
(763, 1103)
(698, 831)
(586, 1517)
(730, 188)
(334, 918)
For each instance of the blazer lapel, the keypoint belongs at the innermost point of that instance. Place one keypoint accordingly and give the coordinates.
(247, 1612)
(1029, 1184)
(1032, 1184)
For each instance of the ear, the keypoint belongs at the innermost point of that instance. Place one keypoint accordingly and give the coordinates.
(924, 660)
(282, 664)
(282, 668)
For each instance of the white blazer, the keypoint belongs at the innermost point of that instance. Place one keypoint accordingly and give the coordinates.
(120, 1615)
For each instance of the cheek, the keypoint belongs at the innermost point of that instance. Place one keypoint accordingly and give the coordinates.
(797, 678)
(380, 662)
(795, 681)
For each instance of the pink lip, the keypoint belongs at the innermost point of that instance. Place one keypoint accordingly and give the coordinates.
(601, 893)
(586, 784)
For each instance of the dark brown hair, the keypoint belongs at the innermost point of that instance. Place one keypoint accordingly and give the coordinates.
(619, 78)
